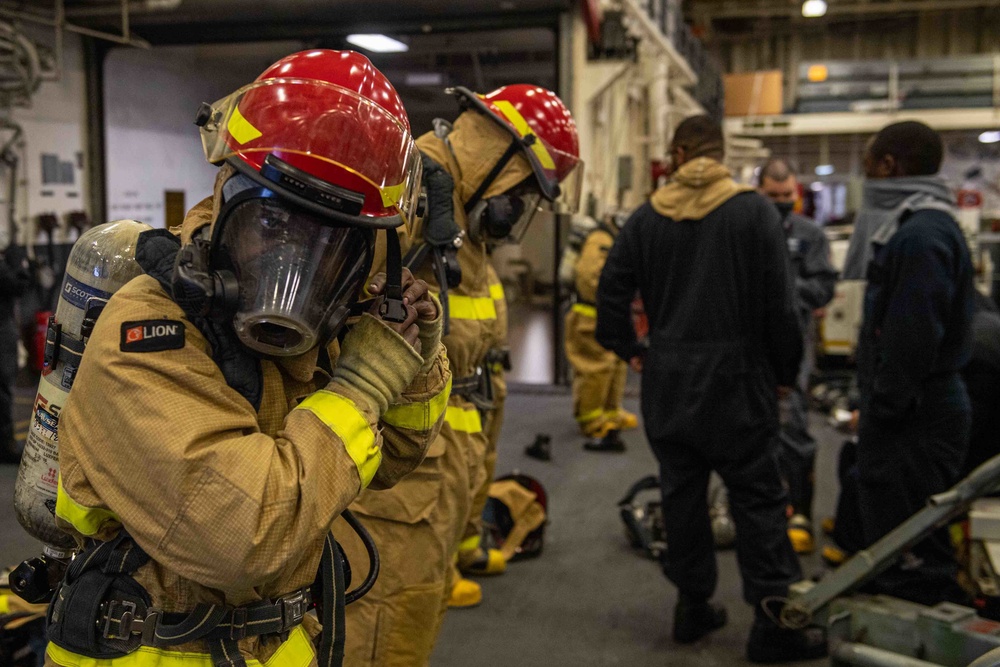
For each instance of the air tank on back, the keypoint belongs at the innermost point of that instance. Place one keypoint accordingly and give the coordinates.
(101, 261)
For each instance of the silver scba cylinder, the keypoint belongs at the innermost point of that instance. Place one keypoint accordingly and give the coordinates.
(101, 261)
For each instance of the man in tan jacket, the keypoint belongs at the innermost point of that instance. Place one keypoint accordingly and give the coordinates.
(598, 374)
(508, 153)
(216, 428)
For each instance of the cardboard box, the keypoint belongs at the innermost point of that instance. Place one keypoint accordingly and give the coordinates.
(754, 93)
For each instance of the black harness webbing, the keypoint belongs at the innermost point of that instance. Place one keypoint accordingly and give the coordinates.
(101, 612)
(511, 151)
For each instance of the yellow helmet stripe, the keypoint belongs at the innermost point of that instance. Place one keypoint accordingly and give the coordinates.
(240, 128)
(521, 125)
(391, 194)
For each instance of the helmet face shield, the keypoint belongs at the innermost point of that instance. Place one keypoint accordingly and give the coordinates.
(506, 217)
(531, 202)
(570, 189)
(298, 274)
(330, 132)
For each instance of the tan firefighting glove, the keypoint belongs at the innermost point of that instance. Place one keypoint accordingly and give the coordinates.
(430, 336)
(376, 361)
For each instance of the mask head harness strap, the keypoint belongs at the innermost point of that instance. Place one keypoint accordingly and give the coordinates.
(512, 150)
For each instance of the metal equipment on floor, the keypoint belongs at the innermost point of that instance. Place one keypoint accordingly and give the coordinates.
(883, 631)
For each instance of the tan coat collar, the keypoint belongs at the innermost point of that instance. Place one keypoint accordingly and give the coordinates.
(699, 187)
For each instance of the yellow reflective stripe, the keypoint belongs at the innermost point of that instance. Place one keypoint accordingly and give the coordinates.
(496, 292)
(418, 416)
(241, 129)
(466, 421)
(297, 651)
(86, 520)
(585, 309)
(471, 308)
(342, 416)
(591, 416)
(391, 194)
(4, 604)
(522, 127)
(470, 543)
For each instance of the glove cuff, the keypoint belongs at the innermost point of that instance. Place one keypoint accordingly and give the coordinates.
(376, 361)
(430, 336)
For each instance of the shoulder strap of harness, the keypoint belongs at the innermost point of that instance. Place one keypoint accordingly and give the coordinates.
(155, 252)
(442, 237)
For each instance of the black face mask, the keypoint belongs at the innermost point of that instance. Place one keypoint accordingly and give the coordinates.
(493, 219)
(785, 209)
(501, 213)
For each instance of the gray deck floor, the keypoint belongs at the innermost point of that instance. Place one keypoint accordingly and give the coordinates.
(589, 599)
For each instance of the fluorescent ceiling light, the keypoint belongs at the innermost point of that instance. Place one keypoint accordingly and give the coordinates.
(424, 79)
(378, 43)
(824, 170)
(813, 8)
(990, 137)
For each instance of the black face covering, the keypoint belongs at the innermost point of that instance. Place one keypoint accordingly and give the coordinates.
(785, 209)
(501, 214)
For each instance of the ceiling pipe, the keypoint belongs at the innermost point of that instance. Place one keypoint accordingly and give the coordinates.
(115, 9)
(742, 10)
(58, 21)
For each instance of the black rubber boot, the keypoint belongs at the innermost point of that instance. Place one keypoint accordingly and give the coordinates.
(769, 643)
(540, 448)
(693, 619)
(612, 442)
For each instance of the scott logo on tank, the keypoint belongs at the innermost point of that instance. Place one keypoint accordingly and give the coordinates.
(135, 334)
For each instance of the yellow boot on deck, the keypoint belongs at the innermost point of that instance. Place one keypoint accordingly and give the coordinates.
(623, 420)
(465, 593)
(833, 556)
(828, 524)
(478, 563)
(599, 427)
(800, 534)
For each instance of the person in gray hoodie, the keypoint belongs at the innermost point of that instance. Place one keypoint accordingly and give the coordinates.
(915, 338)
(882, 200)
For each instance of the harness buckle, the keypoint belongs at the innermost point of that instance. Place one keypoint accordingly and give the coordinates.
(125, 620)
(238, 624)
(123, 612)
(147, 626)
(293, 608)
(53, 335)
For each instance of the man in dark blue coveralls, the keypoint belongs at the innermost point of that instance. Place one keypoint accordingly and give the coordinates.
(915, 339)
(709, 258)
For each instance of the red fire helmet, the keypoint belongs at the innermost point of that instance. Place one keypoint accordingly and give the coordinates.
(325, 129)
(537, 118)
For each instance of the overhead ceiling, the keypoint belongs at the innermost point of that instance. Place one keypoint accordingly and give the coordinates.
(837, 9)
(176, 21)
(726, 20)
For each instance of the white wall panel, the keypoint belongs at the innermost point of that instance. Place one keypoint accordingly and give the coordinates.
(151, 98)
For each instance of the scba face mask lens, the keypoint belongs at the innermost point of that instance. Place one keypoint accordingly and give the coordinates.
(298, 274)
